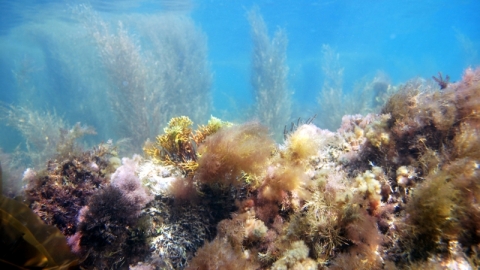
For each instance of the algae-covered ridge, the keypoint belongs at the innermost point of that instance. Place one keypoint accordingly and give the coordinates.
(394, 190)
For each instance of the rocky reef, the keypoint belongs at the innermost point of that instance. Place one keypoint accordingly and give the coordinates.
(393, 190)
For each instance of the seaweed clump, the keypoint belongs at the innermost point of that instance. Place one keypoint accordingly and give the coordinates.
(234, 155)
(57, 193)
(108, 234)
(428, 141)
(97, 207)
(230, 162)
(111, 232)
(27, 242)
(178, 145)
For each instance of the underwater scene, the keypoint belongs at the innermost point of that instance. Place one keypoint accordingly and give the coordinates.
(254, 134)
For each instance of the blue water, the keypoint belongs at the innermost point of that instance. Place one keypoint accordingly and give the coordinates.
(402, 39)
(405, 39)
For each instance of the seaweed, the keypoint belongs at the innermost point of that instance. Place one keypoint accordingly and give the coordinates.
(232, 152)
(108, 235)
(178, 145)
(28, 243)
(442, 82)
(59, 191)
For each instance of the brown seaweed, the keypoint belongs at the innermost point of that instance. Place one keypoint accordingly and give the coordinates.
(27, 242)
(443, 82)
